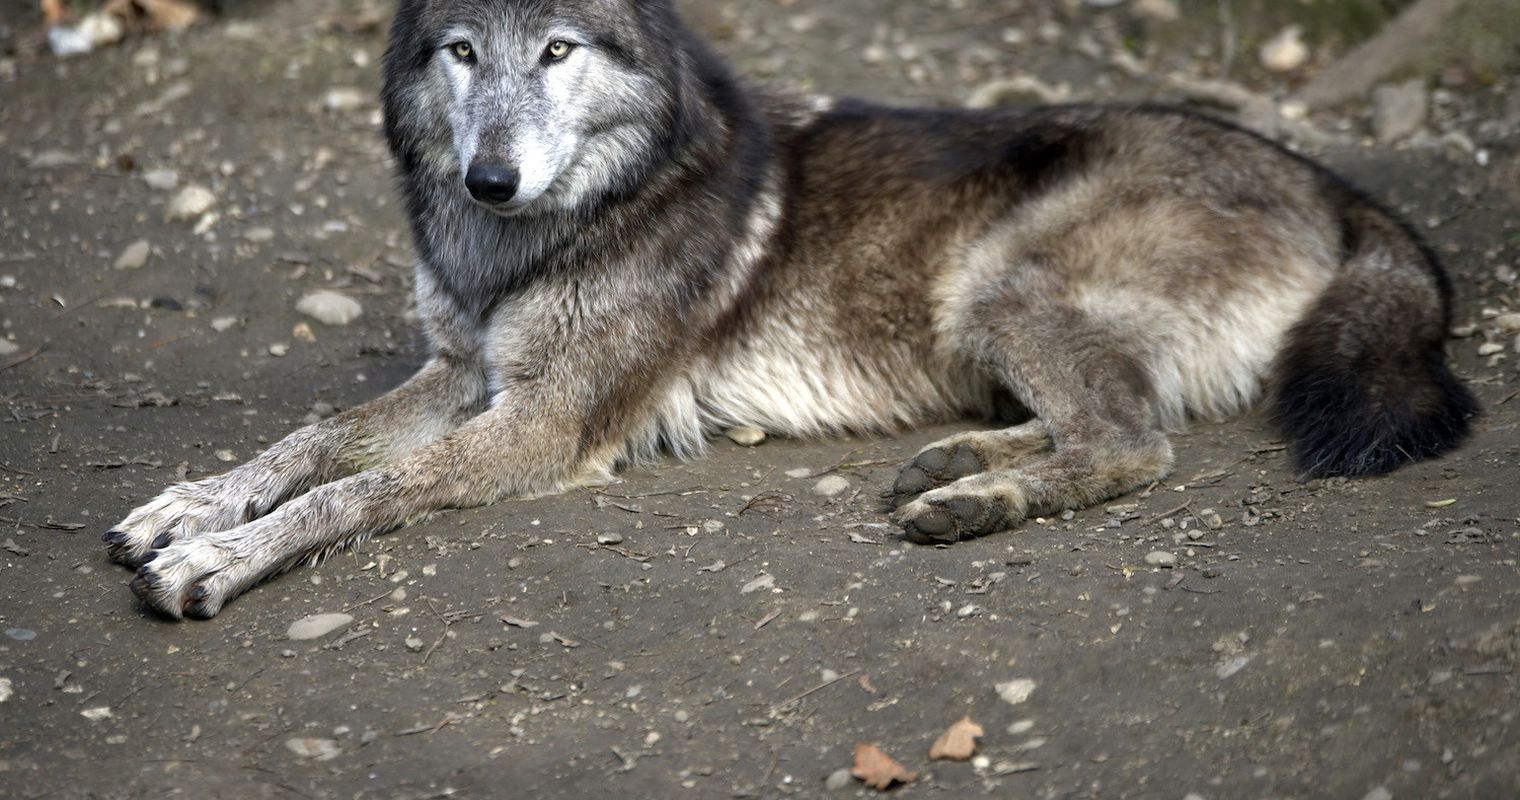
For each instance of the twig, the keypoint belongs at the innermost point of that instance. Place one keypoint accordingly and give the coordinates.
(386, 593)
(820, 687)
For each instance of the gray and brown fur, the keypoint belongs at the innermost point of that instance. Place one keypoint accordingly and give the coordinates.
(711, 255)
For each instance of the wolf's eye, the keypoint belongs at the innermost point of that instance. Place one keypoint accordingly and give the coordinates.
(464, 51)
(558, 49)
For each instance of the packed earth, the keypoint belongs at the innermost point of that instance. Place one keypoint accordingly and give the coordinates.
(201, 250)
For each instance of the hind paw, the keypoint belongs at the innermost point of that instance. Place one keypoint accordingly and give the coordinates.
(934, 467)
(969, 508)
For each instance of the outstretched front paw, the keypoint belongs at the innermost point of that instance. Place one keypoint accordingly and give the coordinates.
(179, 513)
(192, 578)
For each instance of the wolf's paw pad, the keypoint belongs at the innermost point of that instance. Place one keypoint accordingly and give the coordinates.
(932, 468)
(187, 579)
(949, 519)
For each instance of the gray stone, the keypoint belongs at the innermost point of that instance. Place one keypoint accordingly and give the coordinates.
(1398, 110)
(838, 779)
(314, 749)
(1161, 558)
(330, 308)
(164, 180)
(317, 625)
(135, 256)
(191, 202)
(831, 486)
(745, 435)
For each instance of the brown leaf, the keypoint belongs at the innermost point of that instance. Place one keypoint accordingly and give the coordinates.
(877, 769)
(52, 12)
(958, 742)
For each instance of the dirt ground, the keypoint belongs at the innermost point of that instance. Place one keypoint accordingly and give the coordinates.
(708, 629)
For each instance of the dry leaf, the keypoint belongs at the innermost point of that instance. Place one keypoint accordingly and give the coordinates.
(877, 769)
(958, 742)
(52, 12)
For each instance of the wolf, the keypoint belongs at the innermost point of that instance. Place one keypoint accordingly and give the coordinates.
(623, 249)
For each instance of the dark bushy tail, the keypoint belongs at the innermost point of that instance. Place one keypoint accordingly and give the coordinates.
(1362, 385)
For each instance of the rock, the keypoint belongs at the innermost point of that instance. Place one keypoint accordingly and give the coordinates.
(135, 256)
(330, 308)
(279, 349)
(745, 435)
(5, 689)
(800, 472)
(20, 634)
(766, 582)
(1159, 10)
(344, 98)
(1161, 558)
(315, 749)
(1234, 665)
(97, 714)
(52, 159)
(259, 235)
(413, 644)
(831, 486)
(1286, 51)
(1015, 90)
(1015, 691)
(8, 347)
(225, 456)
(1398, 110)
(224, 324)
(316, 626)
(163, 180)
(1380, 793)
(610, 538)
(1508, 323)
(838, 779)
(190, 203)
(1490, 349)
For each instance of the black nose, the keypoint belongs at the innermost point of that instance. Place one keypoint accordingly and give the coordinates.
(492, 183)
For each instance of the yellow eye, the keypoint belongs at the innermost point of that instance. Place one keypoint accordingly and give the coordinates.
(558, 49)
(463, 51)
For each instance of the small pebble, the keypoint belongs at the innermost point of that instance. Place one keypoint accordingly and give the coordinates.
(1015, 691)
(330, 308)
(163, 180)
(610, 538)
(1286, 51)
(21, 634)
(135, 256)
(190, 203)
(1161, 558)
(745, 435)
(315, 749)
(279, 349)
(831, 486)
(316, 626)
(414, 644)
(223, 324)
(838, 779)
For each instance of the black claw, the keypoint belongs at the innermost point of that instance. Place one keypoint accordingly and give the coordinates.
(199, 592)
(162, 540)
(148, 556)
(113, 536)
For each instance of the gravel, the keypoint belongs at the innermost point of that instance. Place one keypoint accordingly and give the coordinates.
(190, 203)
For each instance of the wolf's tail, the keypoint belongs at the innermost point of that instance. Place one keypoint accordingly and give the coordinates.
(1362, 385)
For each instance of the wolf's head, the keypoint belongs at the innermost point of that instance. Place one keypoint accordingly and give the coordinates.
(533, 105)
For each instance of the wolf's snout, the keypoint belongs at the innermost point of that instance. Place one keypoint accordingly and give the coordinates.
(492, 183)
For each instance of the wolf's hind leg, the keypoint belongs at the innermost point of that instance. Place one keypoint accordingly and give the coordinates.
(425, 408)
(1093, 399)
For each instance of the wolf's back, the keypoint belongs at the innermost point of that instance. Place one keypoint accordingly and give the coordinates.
(1362, 385)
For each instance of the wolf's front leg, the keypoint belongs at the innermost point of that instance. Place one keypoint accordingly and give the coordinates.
(429, 405)
(502, 452)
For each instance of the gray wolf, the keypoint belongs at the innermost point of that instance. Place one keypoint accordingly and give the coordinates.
(624, 248)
